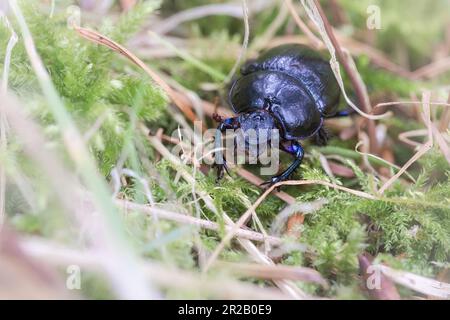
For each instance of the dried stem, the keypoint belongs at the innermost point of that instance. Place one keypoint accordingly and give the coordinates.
(316, 42)
(316, 13)
(423, 149)
(185, 219)
(101, 39)
(275, 272)
(244, 43)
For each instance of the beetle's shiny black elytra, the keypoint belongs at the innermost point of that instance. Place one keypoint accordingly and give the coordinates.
(290, 88)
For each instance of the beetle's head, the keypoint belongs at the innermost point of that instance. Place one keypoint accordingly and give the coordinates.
(256, 129)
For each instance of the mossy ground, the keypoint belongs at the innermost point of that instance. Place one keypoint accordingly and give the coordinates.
(408, 228)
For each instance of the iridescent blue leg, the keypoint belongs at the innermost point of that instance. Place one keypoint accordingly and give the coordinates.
(343, 113)
(297, 151)
(220, 162)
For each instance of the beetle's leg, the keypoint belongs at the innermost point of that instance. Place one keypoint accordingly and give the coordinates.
(343, 113)
(220, 162)
(297, 151)
(321, 137)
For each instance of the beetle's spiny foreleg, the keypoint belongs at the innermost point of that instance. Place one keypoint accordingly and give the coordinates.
(297, 151)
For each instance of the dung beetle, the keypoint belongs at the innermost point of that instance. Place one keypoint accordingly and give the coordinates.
(290, 88)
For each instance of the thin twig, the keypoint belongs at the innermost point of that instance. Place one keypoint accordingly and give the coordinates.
(185, 219)
(396, 103)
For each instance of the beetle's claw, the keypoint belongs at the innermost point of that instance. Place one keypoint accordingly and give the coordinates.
(273, 181)
(220, 170)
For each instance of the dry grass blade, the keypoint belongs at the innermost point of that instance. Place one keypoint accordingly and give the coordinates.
(244, 43)
(443, 145)
(445, 118)
(423, 148)
(397, 103)
(185, 219)
(316, 42)
(417, 283)
(9, 47)
(275, 272)
(389, 164)
(376, 56)
(257, 181)
(102, 40)
(3, 121)
(175, 20)
(315, 12)
(436, 131)
(266, 38)
(439, 129)
(404, 137)
(162, 275)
